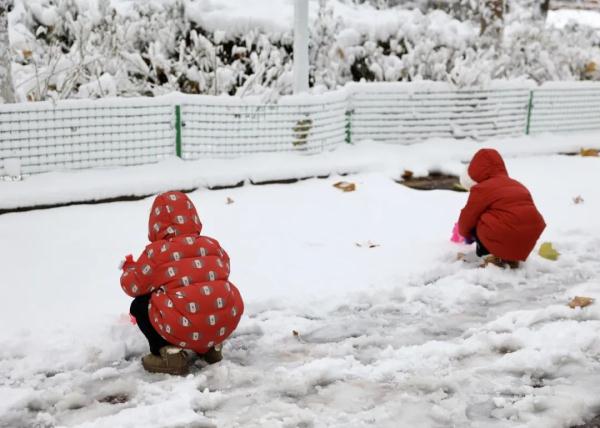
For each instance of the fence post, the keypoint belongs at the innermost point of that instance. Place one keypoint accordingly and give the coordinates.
(301, 36)
(178, 130)
(348, 126)
(529, 108)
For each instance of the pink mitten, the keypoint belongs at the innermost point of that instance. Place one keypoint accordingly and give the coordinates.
(456, 236)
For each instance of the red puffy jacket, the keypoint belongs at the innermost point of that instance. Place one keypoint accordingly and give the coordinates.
(501, 209)
(193, 305)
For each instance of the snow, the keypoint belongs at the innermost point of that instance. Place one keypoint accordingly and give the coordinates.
(12, 167)
(153, 48)
(563, 17)
(443, 155)
(400, 334)
(234, 16)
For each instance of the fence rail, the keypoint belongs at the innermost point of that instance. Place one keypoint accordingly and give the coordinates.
(43, 137)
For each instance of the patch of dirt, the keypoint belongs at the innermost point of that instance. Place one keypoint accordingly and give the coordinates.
(433, 181)
(594, 423)
(286, 180)
(591, 152)
(115, 399)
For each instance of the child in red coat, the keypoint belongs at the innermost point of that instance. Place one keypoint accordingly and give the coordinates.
(182, 296)
(500, 214)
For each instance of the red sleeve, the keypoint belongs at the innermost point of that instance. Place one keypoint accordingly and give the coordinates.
(469, 215)
(136, 277)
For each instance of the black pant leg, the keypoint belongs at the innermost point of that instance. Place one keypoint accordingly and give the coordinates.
(139, 309)
(480, 249)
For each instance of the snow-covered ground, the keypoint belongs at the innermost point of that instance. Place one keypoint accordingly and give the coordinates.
(398, 335)
(560, 18)
(442, 155)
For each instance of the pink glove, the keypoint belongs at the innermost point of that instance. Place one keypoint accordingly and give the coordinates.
(458, 238)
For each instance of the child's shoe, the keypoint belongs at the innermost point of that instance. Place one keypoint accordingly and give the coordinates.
(172, 360)
(214, 354)
(497, 261)
(513, 264)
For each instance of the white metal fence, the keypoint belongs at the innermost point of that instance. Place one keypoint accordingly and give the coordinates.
(407, 113)
(233, 127)
(566, 108)
(72, 134)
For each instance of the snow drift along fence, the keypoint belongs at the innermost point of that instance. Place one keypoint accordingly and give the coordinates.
(42, 137)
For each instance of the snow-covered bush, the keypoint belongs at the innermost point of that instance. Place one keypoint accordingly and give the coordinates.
(97, 48)
(6, 88)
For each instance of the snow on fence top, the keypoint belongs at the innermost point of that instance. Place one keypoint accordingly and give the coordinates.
(41, 137)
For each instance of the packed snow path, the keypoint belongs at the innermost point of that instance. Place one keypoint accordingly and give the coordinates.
(400, 334)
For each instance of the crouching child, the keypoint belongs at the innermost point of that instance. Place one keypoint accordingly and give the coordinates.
(500, 214)
(183, 298)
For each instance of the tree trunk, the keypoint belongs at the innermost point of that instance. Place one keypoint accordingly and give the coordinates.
(544, 7)
(492, 17)
(7, 92)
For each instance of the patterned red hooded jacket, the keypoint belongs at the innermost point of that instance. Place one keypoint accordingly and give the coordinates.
(193, 304)
(501, 209)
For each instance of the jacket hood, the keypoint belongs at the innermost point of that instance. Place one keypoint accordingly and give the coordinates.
(486, 163)
(172, 214)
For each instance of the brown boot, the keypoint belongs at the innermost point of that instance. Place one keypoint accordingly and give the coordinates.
(214, 354)
(172, 360)
(513, 264)
(497, 261)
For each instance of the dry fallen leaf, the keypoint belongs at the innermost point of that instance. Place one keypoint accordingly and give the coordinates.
(461, 256)
(590, 152)
(345, 186)
(27, 53)
(547, 251)
(578, 200)
(459, 187)
(407, 174)
(229, 201)
(295, 333)
(580, 302)
(590, 67)
(368, 244)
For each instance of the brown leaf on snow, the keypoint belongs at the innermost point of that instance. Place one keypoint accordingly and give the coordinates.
(345, 186)
(461, 256)
(367, 244)
(578, 200)
(580, 302)
(590, 152)
(590, 67)
(229, 201)
(407, 174)
(295, 333)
